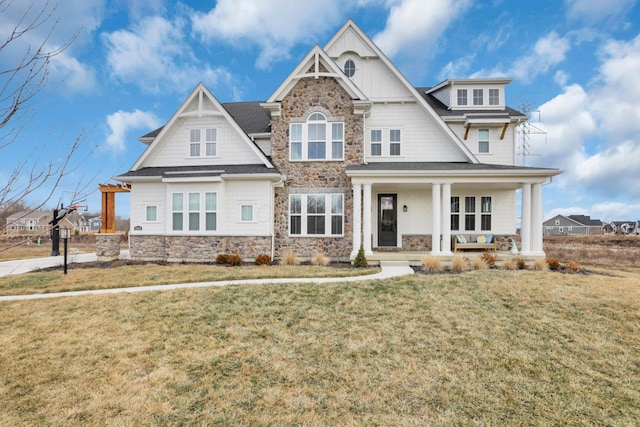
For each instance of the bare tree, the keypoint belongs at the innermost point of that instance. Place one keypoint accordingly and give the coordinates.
(22, 83)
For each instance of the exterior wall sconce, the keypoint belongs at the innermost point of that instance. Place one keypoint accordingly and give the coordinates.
(405, 208)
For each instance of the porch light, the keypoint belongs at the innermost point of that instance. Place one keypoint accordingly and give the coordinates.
(405, 208)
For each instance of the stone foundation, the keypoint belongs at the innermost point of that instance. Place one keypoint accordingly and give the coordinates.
(416, 242)
(108, 246)
(197, 248)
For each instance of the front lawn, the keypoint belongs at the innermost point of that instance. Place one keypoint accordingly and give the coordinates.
(479, 348)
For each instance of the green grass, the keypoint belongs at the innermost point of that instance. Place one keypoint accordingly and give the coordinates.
(479, 348)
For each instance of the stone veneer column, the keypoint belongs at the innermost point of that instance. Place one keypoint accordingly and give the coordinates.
(366, 233)
(108, 246)
(436, 212)
(357, 219)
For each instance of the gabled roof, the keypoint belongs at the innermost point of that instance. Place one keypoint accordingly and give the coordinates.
(351, 27)
(314, 59)
(200, 93)
(586, 220)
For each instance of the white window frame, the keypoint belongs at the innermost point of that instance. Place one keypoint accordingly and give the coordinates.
(333, 210)
(203, 142)
(333, 139)
(376, 141)
(146, 213)
(194, 210)
(484, 145)
(395, 140)
(251, 212)
(478, 97)
(455, 213)
(494, 96)
(462, 95)
(486, 213)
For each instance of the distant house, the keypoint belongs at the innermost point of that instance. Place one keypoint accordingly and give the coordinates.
(88, 224)
(29, 222)
(561, 225)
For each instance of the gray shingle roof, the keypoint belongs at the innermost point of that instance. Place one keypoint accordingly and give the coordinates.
(193, 171)
(443, 111)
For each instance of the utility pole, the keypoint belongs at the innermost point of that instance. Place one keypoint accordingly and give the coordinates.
(525, 130)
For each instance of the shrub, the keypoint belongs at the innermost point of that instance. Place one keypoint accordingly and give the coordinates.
(480, 263)
(520, 262)
(320, 259)
(510, 264)
(458, 263)
(361, 260)
(431, 264)
(540, 265)
(554, 263)
(574, 266)
(234, 260)
(222, 259)
(290, 258)
(263, 259)
(489, 258)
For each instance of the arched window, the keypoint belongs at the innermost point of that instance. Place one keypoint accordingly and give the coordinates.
(318, 139)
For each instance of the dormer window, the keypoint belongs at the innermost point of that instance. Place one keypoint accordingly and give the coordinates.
(478, 97)
(349, 68)
(462, 97)
(494, 96)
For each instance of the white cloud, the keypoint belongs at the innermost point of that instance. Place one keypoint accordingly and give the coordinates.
(548, 51)
(121, 122)
(615, 211)
(155, 56)
(594, 11)
(275, 26)
(574, 210)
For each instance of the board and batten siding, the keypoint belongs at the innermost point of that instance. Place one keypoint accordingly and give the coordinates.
(231, 148)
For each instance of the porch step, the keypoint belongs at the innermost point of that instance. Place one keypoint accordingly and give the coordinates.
(395, 268)
(394, 263)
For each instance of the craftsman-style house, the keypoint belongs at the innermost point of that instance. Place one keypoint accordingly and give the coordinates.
(345, 153)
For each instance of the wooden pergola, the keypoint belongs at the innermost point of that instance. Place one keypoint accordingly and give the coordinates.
(109, 205)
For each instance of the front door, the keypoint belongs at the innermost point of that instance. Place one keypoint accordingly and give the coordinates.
(387, 220)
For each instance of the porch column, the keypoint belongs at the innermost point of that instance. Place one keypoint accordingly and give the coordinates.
(525, 223)
(536, 220)
(357, 219)
(446, 219)
(366, 224)
(437, 212)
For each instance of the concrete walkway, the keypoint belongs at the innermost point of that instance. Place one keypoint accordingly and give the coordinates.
(389, 269)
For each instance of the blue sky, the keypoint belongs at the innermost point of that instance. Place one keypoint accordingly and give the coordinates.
(132, 63)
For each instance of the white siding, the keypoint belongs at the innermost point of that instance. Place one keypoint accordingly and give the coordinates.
(255, 193)
(143, 195)
(501, 151)
(422, 139)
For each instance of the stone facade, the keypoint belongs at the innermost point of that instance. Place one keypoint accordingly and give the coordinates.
(309, 95)
(196, 248)
(416, 242)
(108, 246)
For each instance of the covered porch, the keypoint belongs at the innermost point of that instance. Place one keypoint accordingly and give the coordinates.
(407, 210)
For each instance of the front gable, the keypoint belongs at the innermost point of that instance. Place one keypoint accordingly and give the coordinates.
(201, 132)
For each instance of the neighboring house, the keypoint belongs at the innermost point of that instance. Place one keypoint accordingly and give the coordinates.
(561, 225)
(89, 224)
(345, 153)
(29, 222)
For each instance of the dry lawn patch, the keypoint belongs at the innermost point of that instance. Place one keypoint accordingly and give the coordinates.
(479, 348)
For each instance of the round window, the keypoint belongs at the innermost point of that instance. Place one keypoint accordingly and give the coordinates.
(349, 68)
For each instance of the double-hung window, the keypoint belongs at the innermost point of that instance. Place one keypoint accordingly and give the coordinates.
(394, 142)
(494, 96)
(455, 213)
(201, 210)
(462, 97)
(376, 142)
(478, 97)
(317, 139)
(206, 136)
(485, 213)
(470, 213)
(483, 140)
(316, 214)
